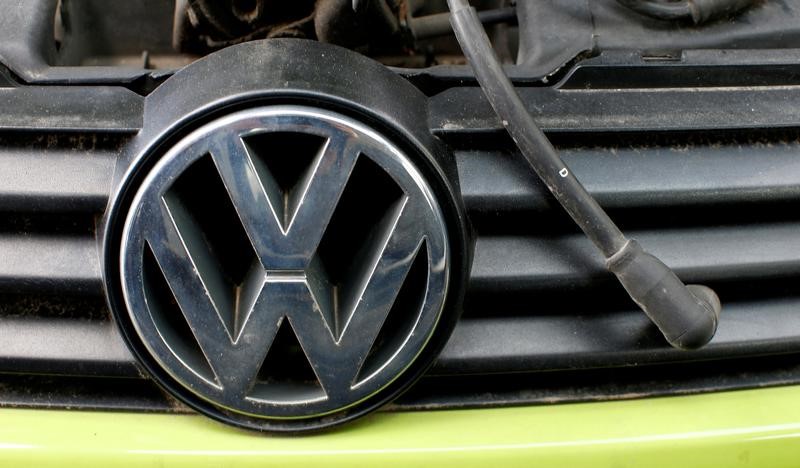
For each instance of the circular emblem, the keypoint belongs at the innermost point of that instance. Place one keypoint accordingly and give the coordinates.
(284, 263)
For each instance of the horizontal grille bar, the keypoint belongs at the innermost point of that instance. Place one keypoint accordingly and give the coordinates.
(465, 110)
(68, 108)
(51, 174)
(63, 347)
(49, 264)
(79, 178)
(558, 341)
(479, 345)
(640, 176)
(696, 254)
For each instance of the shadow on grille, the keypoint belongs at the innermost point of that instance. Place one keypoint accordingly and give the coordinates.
(356, 230)
(169, 319)
(204, 197)
(286, 373)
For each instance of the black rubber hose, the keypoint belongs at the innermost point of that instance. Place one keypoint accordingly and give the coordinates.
(705, 10)
(425, 27)
(698, 11)
(659, 10)
(687, 317)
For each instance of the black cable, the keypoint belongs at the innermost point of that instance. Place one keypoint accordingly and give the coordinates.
(583, 208)
(687, 316)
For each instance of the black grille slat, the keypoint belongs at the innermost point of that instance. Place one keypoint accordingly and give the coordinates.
(48, 263)
(629, 177)
(561, 342)
(60, 179)
(68, 108)
(696, 254)
(64, 347)
(465, 111)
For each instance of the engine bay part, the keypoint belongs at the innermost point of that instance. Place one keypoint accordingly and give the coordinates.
(541, 37)
(373, 27)
(555, 32)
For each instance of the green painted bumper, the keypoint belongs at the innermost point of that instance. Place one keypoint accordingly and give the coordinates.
(753, 428)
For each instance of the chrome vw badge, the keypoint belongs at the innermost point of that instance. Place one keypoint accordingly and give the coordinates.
(284, 263)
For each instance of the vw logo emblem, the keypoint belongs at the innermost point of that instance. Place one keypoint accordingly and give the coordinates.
(284, 263)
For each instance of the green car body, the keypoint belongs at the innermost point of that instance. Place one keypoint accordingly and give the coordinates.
(740, 428)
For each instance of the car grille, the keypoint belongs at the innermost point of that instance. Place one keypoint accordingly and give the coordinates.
(706, 177)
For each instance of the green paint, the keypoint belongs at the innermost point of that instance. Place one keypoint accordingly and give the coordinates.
(744, 428)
